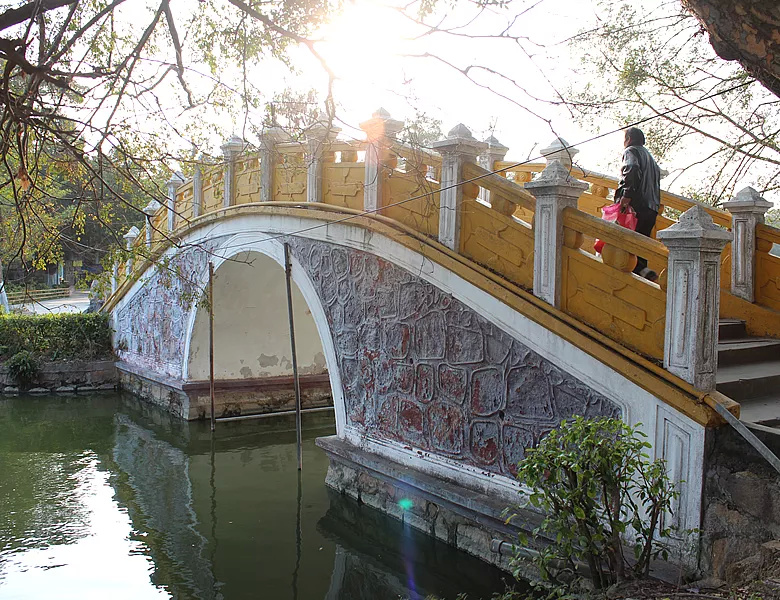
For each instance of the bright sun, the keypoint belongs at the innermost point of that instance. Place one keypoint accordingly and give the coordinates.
(363, 42)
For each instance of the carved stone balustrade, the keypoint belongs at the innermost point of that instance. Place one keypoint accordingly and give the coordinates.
(693, 297)
(747, 210)
(554, 191)
(460, 147)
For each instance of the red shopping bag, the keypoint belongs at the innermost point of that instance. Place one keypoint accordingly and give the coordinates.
(615, 213)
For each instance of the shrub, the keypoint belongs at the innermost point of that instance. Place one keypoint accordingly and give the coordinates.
(23, 368)
(595, 483)
(56, 337)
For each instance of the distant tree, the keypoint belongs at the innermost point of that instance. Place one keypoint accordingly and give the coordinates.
(96, 97)
(641, 63)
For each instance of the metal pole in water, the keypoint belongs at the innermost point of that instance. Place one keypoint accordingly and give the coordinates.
(211, 344)
(296, 383)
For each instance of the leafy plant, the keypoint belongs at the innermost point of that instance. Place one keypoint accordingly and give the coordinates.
(56, 337)
(23, 368)
(604, 501)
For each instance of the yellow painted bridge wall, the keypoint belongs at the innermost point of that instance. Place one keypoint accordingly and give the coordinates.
(247, 181)
(616, 303)
(290, 179)
(342, 184)
(501, 243)
(421, 213)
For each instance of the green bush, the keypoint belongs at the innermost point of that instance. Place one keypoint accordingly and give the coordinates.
(56, 337)
(23, 368)
(594, 482)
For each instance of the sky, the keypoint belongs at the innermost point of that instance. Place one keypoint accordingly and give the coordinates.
(382, 58)
(373, 51)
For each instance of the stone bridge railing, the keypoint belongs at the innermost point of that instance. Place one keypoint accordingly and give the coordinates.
(534, 232)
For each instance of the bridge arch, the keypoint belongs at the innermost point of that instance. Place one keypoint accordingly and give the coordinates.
(243, 248)
(516, 346)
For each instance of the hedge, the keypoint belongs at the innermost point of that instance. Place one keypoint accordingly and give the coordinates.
(57, 337)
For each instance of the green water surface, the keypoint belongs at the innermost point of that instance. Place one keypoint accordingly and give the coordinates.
(104, 497)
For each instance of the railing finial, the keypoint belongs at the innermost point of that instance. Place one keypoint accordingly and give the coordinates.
(560, 149)
(555, 190)
(747, 209)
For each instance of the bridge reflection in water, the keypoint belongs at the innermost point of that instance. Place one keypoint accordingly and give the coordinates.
(221, 518)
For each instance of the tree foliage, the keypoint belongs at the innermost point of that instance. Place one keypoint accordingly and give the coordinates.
(98, 99)
(639, 64)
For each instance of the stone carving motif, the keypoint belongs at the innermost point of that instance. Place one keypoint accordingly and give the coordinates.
(420, 367)
(151, 328)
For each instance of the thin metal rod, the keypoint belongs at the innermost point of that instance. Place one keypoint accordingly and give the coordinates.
(749, 436)
(298, 541)
(288, 274)
(281, 413)
(211, 344)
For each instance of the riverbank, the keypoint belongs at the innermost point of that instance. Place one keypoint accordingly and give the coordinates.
(58, 377)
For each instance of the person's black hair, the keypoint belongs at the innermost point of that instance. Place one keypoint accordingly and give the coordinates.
(636, 136)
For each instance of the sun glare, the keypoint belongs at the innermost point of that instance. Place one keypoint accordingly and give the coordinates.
(363, 42)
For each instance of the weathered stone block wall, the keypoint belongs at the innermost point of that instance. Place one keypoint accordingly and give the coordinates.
(741, 511)
(65, 377)
(191, 400)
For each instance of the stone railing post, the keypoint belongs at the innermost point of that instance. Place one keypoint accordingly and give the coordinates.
(380, 129)
(693, 297)
(559, 150)
(747, 210)
(173, 184)
(3, 296)
(459, 148)
(150, 210)
(130, 238)
(554, 190)
(114, 275)
(272, 137)
(197, 189)
(494, 152)
(317, 137)
(230, 150)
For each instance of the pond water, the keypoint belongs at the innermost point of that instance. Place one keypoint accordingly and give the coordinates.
(104, 497)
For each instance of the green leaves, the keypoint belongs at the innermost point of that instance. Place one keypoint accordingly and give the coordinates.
(56, 337)
(23, 368)
(601, 494)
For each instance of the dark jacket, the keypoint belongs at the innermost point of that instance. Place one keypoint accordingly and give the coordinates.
(640, 179)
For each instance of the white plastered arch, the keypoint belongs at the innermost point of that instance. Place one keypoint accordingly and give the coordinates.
(274, 248)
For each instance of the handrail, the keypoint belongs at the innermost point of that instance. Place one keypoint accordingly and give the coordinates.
(769, 233)
(501, 186)
(416, 155)
(668, 199)
(36, 295)
(628, 240)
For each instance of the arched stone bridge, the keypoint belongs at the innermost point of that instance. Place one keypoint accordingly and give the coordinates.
(454, 324)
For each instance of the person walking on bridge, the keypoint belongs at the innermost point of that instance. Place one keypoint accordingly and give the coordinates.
(640, 187)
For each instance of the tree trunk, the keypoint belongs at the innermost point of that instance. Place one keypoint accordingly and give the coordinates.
(746, 31)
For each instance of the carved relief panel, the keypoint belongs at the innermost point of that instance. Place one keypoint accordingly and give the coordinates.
(420, 367)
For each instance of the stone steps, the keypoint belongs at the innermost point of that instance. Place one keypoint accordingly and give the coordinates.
(749, 372)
